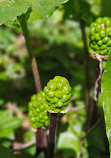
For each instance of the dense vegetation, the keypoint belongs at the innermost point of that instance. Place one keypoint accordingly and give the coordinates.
(60, 45)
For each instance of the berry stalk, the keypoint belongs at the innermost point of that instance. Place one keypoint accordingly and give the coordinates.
(38, 140)
(52, 129)
(44, 141)
(23, 24)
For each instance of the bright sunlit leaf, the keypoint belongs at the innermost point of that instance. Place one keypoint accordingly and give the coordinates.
(10, 9)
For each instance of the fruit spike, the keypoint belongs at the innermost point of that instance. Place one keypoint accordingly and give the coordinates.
(38, 115)
(57, 94)
(100, 36)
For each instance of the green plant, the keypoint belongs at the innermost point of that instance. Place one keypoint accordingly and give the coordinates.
(63, 51)
(100, 43)
(24, 11)
(57, 95)
(100, 36)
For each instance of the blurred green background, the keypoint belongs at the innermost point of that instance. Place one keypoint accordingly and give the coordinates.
(59, 50)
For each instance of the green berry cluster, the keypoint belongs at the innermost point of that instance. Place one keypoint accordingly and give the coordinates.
(57, 94)
(100, 36)
(37, 113)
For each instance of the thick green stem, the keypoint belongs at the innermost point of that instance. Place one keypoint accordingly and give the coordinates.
(35, 71)
(23, 23)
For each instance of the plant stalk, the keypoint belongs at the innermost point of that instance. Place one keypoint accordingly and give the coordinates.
(35, 71)
(86, 58)
(86, 64)
(52, 129)
(39, 142)
(44, 141)
(23, 23)
(94, 110)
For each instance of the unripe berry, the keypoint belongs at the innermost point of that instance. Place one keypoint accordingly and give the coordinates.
(59, 96)
(99, 20)
(109, 43)
(100, 43)
(100, 36)
(37, 111)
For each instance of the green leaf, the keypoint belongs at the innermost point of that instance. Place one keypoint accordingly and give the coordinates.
(8, 123)
(96, 140)
(10, 9)
(106, 94)
(44, 8)
(6, 143)
(6, 153)
(41, 155)
(67, 140)
(106, 4)
(76, 9)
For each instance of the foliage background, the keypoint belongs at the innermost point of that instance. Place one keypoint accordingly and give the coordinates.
(59, 50)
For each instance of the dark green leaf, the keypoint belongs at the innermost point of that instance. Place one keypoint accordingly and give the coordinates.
(5, 153)
(106, 94)
(76, 9)
(106, 4)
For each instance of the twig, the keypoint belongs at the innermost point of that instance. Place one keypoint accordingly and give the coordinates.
(15, 110)
(91, 129)
(93, 110)
(97, 80)
(75, 109)
(4, 1)
(20, 146)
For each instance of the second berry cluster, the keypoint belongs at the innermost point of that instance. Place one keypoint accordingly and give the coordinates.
(100, 36)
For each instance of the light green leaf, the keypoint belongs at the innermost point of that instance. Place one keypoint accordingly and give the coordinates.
(6, 153)
(44, 8)
(8, 123)
(106, 94)
(41, 155)
(10, 9)
(67, 140)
